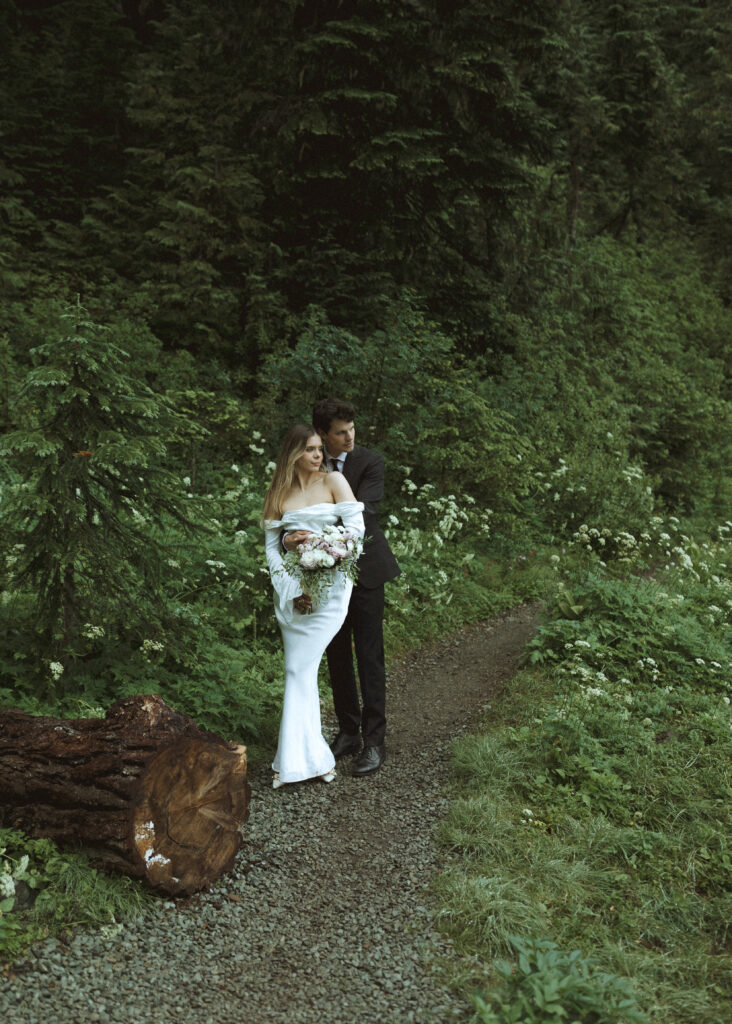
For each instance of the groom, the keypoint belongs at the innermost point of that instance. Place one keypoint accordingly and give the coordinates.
(364, 471)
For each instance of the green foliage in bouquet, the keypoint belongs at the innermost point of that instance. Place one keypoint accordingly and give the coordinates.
(321, 558)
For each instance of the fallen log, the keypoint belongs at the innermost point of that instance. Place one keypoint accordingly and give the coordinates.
(143, 791)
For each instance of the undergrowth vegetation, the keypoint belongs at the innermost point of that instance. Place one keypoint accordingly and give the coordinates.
(594, 815)
(52, 893)
(118, 468)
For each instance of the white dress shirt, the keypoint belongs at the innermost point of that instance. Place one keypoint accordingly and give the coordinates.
(334, 463)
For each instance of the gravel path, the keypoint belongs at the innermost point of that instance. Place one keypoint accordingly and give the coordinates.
(328, 916)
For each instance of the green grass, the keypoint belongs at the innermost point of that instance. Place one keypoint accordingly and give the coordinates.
(592, 812)
(69, 892)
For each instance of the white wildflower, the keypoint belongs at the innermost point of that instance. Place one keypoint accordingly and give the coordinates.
(92, 632)
(152, 645)
(593, 691)
(684, 559)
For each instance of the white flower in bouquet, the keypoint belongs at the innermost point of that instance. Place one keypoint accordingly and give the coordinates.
(316, 562)
(316, 559)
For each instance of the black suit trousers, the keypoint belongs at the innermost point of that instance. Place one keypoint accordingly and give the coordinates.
(364, 623)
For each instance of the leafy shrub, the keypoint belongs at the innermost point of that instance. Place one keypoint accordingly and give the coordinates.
(417, 401)
(621, 357)
(552, 986)
(592, 485)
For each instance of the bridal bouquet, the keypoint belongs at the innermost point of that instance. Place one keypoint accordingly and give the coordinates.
(316, 562)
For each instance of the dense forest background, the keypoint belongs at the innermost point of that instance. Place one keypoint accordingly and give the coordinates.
(503, 229)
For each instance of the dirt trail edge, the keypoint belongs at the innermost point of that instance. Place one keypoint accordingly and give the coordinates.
(328, 916)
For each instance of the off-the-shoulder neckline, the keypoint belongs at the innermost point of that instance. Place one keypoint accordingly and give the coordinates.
(309, 508)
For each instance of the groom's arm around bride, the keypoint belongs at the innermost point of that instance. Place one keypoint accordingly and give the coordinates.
(361, 719)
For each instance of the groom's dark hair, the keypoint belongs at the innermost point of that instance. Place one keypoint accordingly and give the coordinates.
(329, 409)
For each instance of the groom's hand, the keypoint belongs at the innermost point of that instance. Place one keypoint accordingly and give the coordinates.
(291, 540)
(303, 603)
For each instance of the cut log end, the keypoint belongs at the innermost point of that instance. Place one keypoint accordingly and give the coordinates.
(144, 790)
(192, 799)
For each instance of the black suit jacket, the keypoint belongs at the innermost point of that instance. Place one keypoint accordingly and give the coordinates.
(364, 470)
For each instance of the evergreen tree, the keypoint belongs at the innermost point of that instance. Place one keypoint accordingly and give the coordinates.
(701, 37)
(186, 226)
(357, 158)
(91, 495)
(401, 143)
(62, 106)
(641, 83)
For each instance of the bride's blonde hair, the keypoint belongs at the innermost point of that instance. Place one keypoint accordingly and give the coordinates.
(294, 444)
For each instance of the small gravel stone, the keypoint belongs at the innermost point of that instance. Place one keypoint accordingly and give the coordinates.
(332, 920)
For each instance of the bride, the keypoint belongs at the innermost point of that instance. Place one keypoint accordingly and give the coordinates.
(303, 499)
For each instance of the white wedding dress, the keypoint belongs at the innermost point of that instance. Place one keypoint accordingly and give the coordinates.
(302, 752)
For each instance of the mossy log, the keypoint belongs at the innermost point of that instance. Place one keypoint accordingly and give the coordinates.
(143, 790)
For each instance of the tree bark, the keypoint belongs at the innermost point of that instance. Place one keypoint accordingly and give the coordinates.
(144, 790)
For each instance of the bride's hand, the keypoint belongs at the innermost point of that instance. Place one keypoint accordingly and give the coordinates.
(303, 603)
(291, 540)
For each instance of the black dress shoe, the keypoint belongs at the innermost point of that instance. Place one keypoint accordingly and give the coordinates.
(345, 743)
(371, 760)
